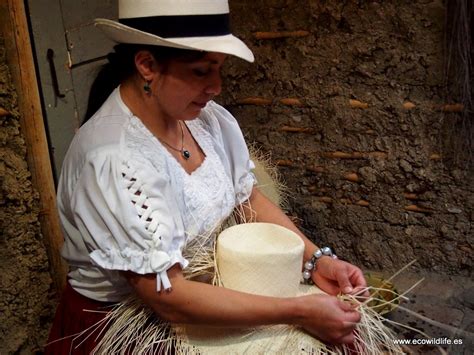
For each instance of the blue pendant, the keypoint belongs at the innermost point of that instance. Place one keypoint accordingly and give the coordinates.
(186, 154)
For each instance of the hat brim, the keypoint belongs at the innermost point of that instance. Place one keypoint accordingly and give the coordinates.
(228, 44)
(276, 339)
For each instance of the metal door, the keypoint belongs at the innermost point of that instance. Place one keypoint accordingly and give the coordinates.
(69, 51)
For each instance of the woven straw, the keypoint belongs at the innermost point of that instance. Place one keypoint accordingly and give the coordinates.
(265, 248)
(260, 258)
(263, 259)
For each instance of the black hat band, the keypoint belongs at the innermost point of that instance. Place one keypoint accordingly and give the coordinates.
(181, 26)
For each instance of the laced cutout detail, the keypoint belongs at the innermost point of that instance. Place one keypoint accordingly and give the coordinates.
(141, 202)
(149, 216)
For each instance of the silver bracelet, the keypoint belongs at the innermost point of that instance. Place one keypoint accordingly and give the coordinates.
(310, 265)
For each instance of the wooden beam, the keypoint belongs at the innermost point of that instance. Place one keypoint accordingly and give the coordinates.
(19, 54)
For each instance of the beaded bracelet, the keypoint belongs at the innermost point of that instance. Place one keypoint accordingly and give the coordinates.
(310, 265)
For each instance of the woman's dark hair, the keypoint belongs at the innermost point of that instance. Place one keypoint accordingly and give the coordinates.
(121, 66)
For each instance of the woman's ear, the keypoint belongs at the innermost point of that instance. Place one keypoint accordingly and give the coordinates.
(146, 64)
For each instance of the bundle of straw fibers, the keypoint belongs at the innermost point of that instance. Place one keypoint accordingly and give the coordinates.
(268, 179)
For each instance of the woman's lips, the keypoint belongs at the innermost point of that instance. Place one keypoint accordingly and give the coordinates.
(200, 104)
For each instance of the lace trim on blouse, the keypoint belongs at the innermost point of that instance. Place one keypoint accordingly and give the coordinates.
(208, 193)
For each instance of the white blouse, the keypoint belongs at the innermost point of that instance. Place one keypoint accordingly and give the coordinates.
(125, 203)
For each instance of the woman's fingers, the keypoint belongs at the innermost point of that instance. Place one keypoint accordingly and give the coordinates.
(331, 319)
(352, 317)
(344, 283)
(346, 306)
(347, 339)
(351, 279)
(335, 276)
(358, 279)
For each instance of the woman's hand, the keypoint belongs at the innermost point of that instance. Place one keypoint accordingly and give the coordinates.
(329, 318)
(335, 276)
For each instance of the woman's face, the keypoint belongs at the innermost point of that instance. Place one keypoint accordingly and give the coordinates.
(182, 89)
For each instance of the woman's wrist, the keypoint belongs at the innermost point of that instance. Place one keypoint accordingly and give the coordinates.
(298, 310)
(310, 265)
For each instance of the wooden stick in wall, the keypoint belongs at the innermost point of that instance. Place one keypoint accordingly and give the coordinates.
(324, 199)
(317, 189)
(354, 155)
(452, 108)
(14, 27)
(344, 201)
(316, 168)
(358, 104)
(291, 101)
(419, 209)
(410, 196)
(352, 177)
(280, 34)
(337, 155)
(407, 105)
(296, 129)
(254, 101)
(3, 112)
(284, 162)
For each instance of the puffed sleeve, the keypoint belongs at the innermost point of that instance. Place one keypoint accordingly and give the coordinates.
(230, 145)
(121, 208)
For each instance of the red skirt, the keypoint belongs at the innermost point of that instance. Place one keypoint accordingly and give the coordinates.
(76, 326)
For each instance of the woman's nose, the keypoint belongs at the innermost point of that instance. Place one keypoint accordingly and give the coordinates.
(214, 86)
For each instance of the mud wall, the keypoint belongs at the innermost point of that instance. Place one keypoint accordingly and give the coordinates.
(26, 305)
(348, 99)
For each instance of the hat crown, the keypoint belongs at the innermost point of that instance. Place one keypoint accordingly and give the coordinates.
(260, 258)
(151, 8)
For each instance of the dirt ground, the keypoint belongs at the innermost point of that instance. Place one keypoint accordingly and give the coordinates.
(370, 177)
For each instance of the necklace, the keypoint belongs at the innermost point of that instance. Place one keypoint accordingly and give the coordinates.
(184, 152)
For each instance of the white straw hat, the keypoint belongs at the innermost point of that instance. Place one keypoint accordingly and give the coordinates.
(258, 258)
(263, 259)
(187, 24)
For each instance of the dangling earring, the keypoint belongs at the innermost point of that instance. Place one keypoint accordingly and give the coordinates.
(147, 87)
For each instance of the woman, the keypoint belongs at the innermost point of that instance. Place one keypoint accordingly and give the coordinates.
(160, 163)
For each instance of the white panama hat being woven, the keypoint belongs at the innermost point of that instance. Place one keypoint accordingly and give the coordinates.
(257, 258)
(263, 259)
(187, 24)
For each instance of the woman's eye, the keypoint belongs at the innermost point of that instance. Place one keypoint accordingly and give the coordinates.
(200, 72)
